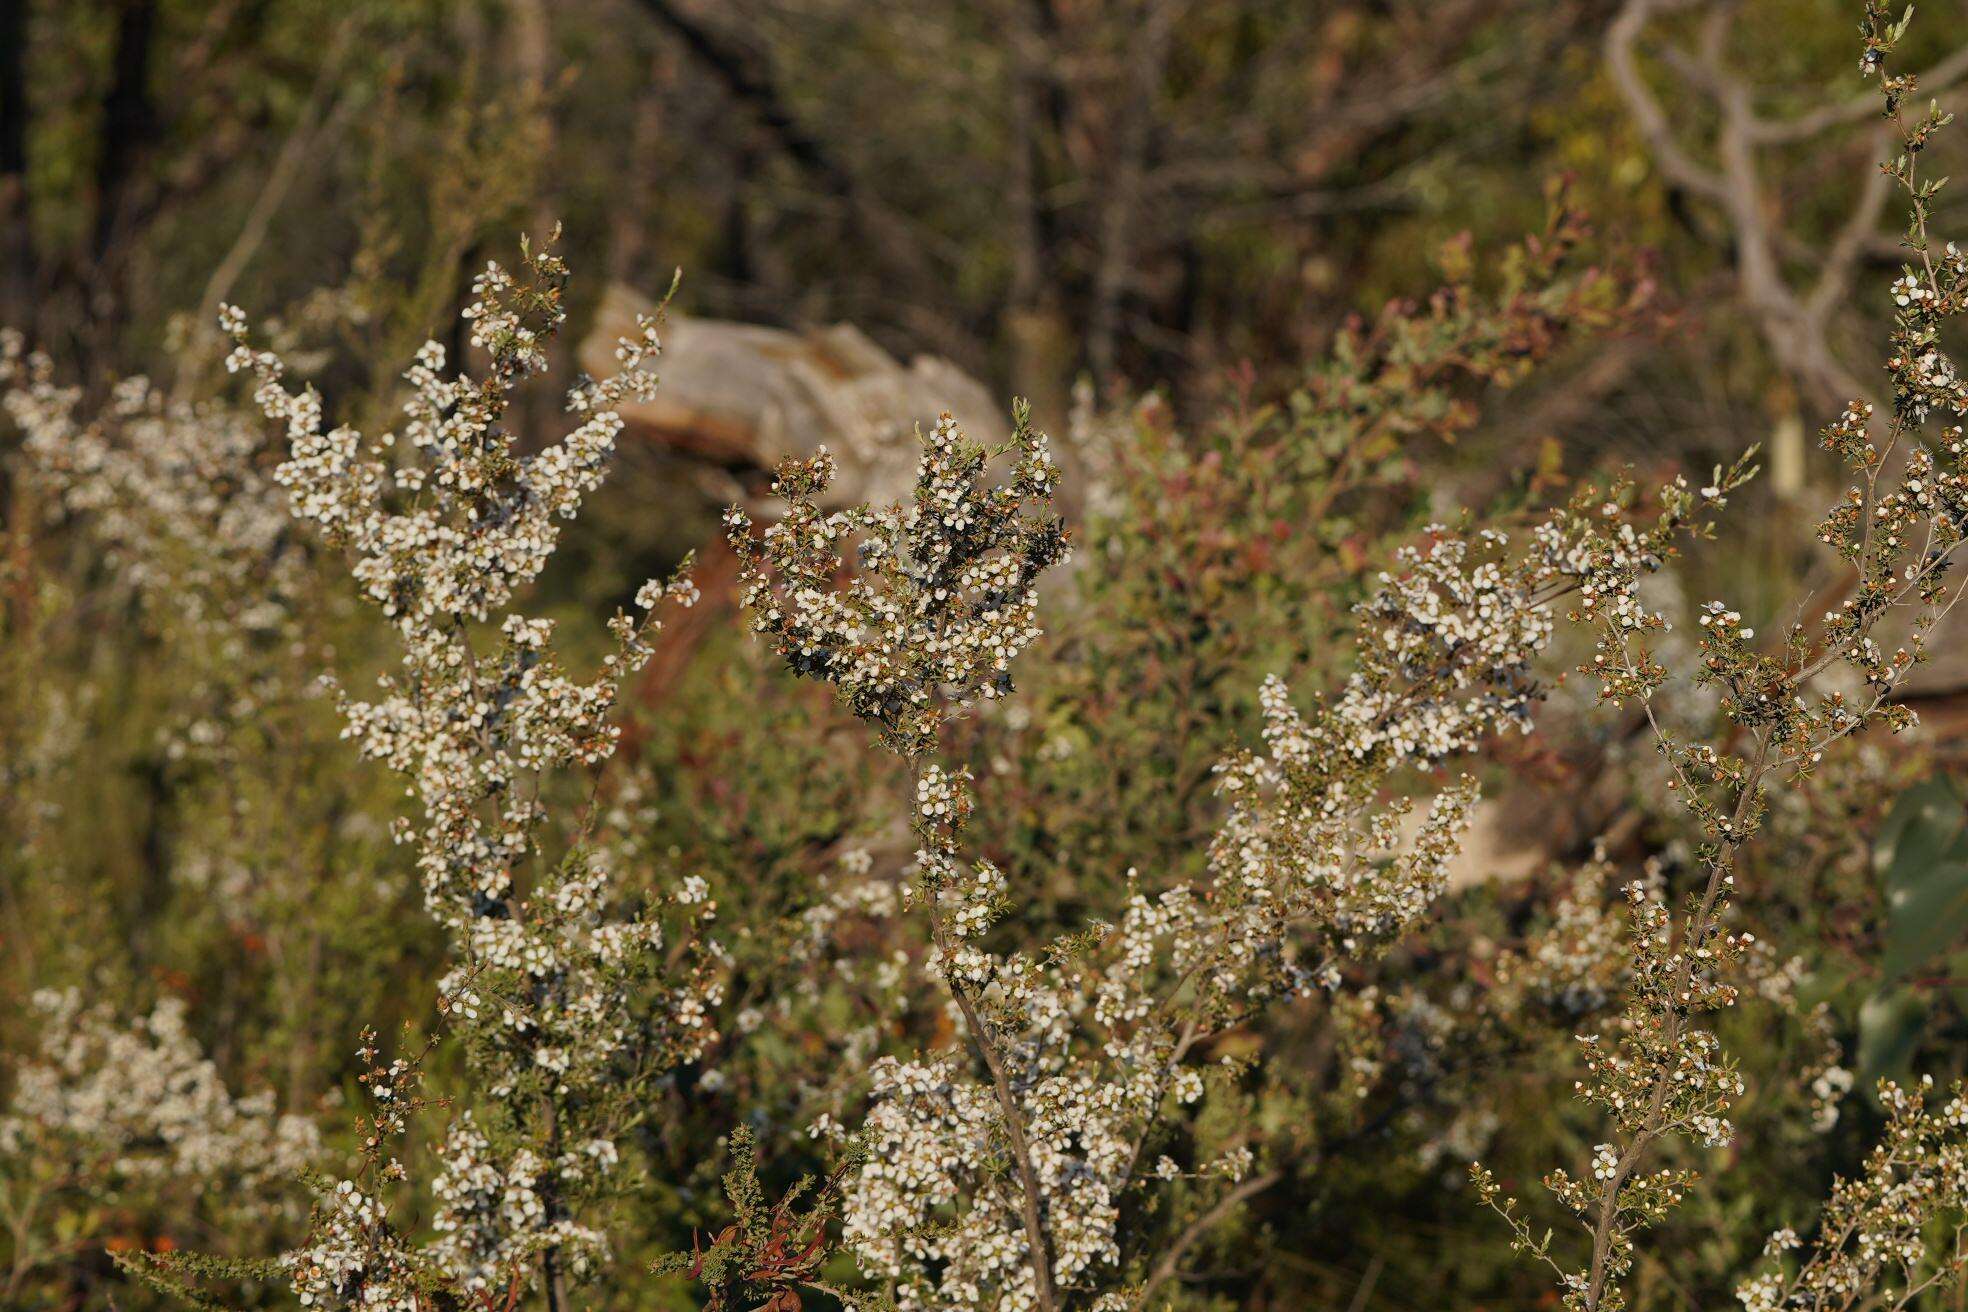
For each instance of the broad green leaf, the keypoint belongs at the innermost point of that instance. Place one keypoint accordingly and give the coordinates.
(1889, 1027)
(1927, 914)
(1925, 826)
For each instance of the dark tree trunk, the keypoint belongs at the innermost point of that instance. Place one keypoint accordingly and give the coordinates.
(129, 122)
(17, 263)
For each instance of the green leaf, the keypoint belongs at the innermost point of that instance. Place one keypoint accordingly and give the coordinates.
(1889, 1027)
(1924, 827)
(1926, 915)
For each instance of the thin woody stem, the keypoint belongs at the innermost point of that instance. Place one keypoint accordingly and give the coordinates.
(1605, 1229)
(1171, 1262)
(983, 1044)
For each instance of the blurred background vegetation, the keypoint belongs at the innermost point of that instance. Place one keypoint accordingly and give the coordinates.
(1183, 195)
(1175, 225)
(1148, 192)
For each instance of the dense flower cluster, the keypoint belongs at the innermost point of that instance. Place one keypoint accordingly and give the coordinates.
(943, 596)
(999, 1178)
(354, 1255)
(1457, 638)
(492, 1218)
(479, 521)
(111, 1102)
(1578, 962)
(443, 521)
(175, 493)
(182, 513)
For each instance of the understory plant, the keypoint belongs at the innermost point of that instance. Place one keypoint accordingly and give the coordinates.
(912, 991)
(1658, 1072)
(1013, 1169)
(565, 998)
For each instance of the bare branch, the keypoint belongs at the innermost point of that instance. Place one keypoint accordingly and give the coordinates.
(1679, 167)
(1792, 321)
(1856, 110)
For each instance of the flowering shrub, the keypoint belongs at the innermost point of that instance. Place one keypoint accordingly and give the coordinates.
(940, 1057)
(547, 971)
(142, 1102)
(1660, 1075)
(1083, 1052)
(1872, 1243)
(156, 520)
(1213, 554)
(110, 1110)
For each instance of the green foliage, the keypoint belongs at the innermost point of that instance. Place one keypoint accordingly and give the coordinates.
(768, 1252)
(1920, 857)
(183, 823)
